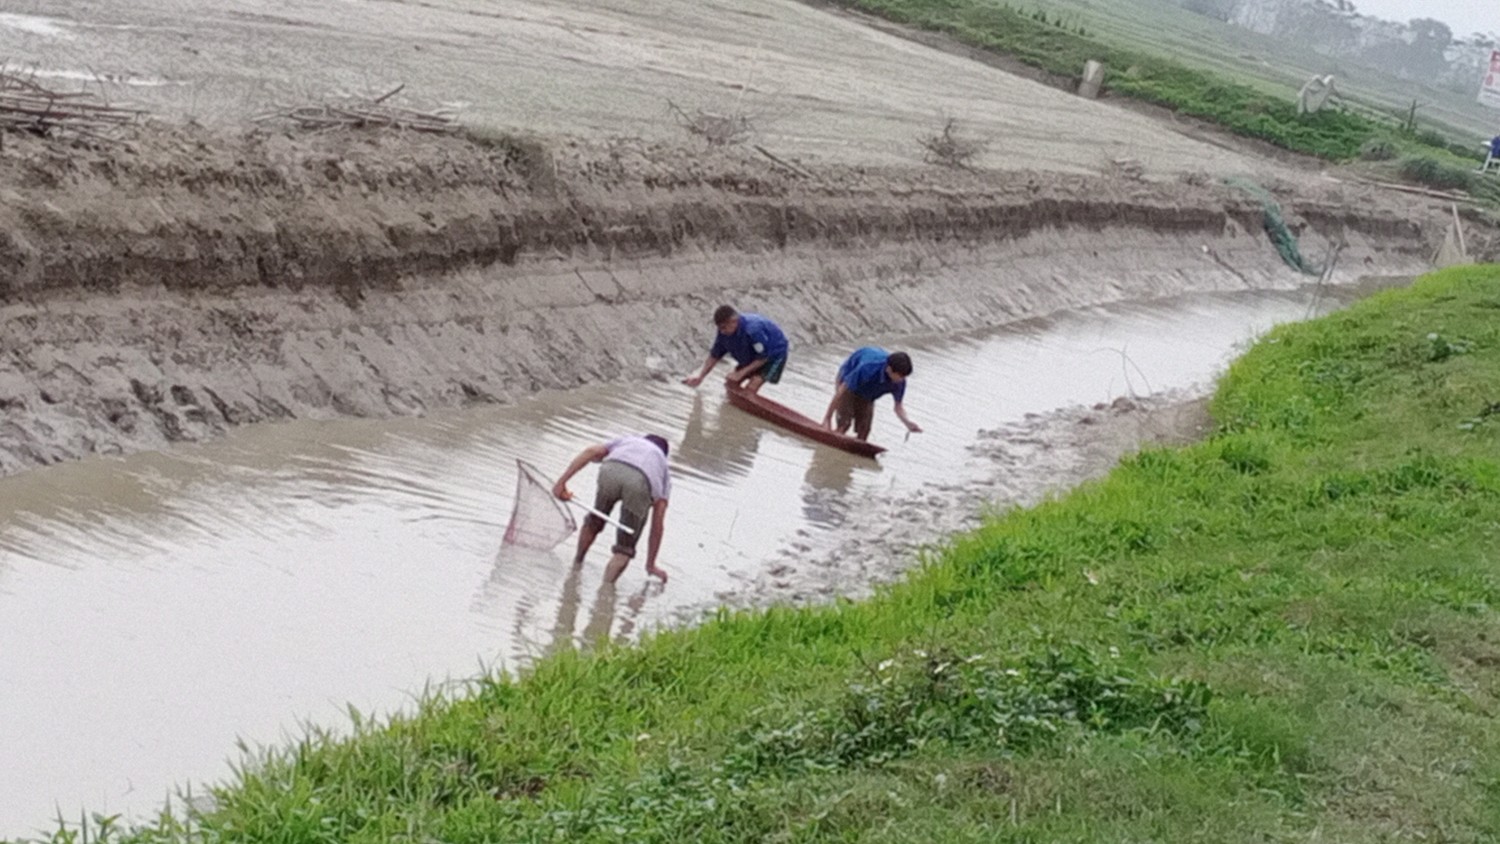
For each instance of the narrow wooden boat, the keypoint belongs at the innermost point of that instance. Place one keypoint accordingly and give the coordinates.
(775, 412)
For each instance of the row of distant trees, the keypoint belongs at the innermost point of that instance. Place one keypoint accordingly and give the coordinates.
(1225, 9)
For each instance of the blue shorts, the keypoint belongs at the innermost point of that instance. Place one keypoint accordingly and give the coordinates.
(772, 370)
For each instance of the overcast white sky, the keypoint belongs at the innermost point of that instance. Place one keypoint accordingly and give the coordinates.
(1464, 17)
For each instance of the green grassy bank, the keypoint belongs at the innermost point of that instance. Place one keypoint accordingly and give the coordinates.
(1288, 632)
(1060, 44)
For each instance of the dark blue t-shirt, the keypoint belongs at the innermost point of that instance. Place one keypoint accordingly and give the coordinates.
(755, 338)
(864, 374)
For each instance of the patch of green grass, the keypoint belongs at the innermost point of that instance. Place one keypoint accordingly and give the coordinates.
(1277, 65)
(1287, 632)
(1436, 173)
(1379, 149)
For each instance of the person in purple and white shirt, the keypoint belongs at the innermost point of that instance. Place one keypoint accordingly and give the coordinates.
(633, 473)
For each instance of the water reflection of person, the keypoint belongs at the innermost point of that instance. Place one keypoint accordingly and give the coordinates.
(825, 488)
(634, 603)
(723, 453)
(567, 613)
(601, 616)
(521, 575)
(526, 575)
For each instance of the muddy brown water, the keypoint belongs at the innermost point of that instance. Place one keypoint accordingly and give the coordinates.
(155, 608)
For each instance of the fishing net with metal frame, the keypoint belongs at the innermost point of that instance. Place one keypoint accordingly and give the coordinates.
(537, 520)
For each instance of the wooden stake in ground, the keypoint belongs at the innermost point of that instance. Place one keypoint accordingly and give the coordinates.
(1458, 224)
(1453, 250)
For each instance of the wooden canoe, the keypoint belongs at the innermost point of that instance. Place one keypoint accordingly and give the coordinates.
(775, 412)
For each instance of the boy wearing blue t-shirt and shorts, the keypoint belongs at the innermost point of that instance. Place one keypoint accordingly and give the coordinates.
(757, 344)
(865, 376)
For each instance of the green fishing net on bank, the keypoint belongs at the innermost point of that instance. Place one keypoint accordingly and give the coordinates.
(1276, 228)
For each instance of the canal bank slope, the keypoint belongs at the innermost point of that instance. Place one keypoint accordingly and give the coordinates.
(185, 282)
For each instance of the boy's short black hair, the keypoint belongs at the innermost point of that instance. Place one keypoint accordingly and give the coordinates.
(724, 314)
(900, 363)
(660, 442)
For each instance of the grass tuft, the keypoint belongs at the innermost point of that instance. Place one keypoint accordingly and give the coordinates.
(1436, 173)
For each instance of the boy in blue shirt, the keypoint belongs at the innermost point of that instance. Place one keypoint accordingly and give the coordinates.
(865, 376)
(756, 343)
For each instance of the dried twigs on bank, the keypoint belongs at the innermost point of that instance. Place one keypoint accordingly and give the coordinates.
(950, 149)
(716, 130)
(366, 113)
(27, 105)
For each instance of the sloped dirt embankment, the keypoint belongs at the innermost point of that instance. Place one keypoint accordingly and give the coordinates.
(184, 283)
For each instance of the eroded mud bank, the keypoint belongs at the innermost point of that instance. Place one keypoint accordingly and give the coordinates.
(185, 283)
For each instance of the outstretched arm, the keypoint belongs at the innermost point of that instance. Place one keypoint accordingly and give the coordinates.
(910, 425)
(592, 454)
(838, 395)
(708, 365)
(658, 526)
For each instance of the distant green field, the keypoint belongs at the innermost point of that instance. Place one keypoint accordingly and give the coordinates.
(1271, 65)
(1061, 44)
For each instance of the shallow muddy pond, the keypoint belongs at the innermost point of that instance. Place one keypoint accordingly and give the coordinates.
(155, 608)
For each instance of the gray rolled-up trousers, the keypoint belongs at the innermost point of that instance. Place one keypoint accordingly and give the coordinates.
(626, 485)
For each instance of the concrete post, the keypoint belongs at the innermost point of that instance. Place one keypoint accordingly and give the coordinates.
(1093, 80)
